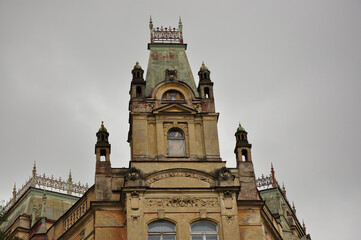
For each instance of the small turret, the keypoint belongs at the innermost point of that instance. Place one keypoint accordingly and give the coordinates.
(103, 169)
(102, 147)
(243, 148)
(137, 86)
(205, 86)
(205, 89)
(245, 166)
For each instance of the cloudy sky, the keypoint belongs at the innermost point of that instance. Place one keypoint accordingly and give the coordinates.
(288, 70)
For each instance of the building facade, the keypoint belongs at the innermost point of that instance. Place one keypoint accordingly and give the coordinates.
(176, 186)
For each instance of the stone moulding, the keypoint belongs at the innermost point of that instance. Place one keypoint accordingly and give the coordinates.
(182, 202)
(179, 173)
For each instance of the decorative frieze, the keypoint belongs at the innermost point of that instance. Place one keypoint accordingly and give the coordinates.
(179, 174)
(182, 202)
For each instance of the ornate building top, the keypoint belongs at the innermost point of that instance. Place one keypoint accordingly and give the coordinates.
(48, 183)
(166, 35)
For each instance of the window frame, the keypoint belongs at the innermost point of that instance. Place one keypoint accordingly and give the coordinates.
(183, 138)
(166, 95)
(174, 233)
(204, 234)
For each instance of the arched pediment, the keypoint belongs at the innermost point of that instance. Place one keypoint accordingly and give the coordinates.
(180, 178)
(162, 87)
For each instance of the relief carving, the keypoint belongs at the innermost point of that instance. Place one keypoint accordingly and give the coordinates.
(133, 174)
(224, 174)
(181, 202)
(135, 219)
(179, 174)
(229, 219)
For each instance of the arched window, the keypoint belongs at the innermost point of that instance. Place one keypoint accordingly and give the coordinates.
(244, 155)
(161, 230)
(206, 92)
(176, 143)
(204, 230)
(172, 95)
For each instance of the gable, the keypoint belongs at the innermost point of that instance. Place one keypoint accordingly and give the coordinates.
(174, 108)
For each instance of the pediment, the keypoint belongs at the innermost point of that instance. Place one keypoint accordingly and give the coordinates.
(180, 178)
(174, 108)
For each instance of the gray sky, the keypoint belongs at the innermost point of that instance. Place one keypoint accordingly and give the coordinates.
(288, 70)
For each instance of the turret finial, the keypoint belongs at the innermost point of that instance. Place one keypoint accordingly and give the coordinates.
(102, 124)
(137, 66)
(14, 192)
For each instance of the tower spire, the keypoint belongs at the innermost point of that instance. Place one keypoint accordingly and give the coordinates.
(274, 182)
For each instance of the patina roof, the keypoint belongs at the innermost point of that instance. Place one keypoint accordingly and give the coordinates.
(165, 56)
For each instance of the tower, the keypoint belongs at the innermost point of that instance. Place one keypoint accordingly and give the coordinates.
(103, 167)
(205, 89)
(245, 166)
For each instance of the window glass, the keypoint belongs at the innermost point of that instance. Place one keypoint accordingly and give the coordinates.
(172, 95)
(161, 230)
(204, 230)
(176, 143)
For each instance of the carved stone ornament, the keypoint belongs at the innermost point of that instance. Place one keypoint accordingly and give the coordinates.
(171, 75)
(135, 219)
(229, 219)
(228, 194)
(224, 174)
(133, 174)
(181, 202)
(179, 174)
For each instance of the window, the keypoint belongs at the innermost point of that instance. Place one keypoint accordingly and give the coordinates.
(206, 92)
(172, 95)
(176, 143)
(138, 91)
(204, 230)
(161, 230)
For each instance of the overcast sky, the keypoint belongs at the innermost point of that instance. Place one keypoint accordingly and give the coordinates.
(288, 70)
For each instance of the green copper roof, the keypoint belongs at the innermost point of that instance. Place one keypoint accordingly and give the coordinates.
(137, 66)
(203, 67)
(172, 57)
(240, 128)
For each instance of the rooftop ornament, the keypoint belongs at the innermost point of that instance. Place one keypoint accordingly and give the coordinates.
(47, 183)
(166, 35)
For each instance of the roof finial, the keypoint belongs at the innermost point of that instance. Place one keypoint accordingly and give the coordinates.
(102, 124)
(70, 177)
(14, 192)
(284, 190)
(137, 66)
(274, 182)
(303, 226)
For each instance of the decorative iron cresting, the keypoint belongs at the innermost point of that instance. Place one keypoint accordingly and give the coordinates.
(264, 182)
(47, 183)
(268, 181)
(166, 35)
